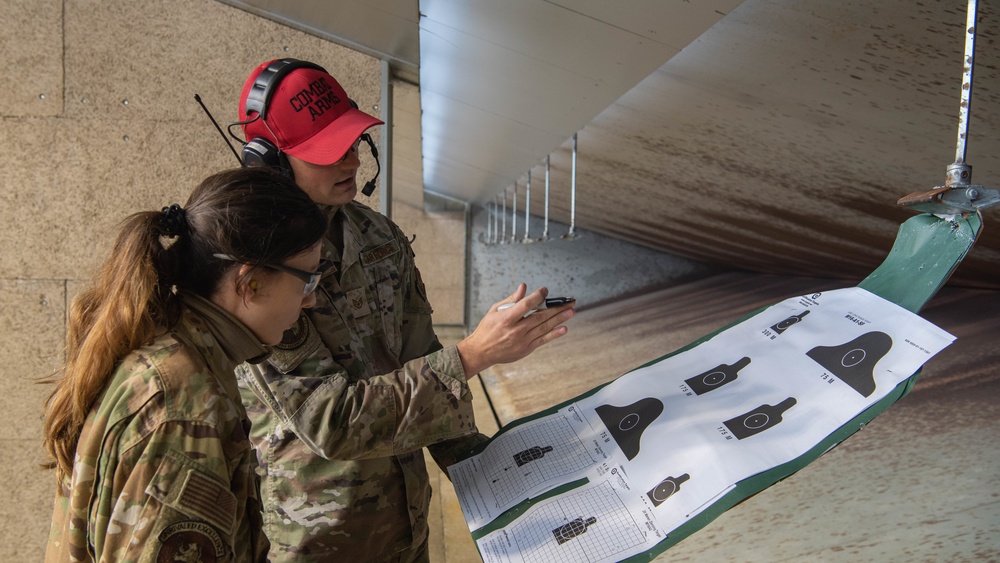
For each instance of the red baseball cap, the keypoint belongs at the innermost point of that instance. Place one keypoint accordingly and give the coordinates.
(303, 110)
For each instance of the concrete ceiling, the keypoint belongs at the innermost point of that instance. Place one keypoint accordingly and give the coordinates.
(768, 135)
(502, 84)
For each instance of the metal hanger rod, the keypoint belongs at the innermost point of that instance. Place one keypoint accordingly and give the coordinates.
(970, 51)
(527, 206)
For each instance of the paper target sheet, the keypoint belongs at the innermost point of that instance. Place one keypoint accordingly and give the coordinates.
(643, 454)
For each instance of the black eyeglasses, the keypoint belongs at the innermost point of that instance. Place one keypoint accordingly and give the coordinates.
(311, 278)
(353, 148)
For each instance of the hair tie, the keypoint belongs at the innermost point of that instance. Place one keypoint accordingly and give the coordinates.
(174, 221)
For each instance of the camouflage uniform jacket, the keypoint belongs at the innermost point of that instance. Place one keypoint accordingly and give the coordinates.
(343, 407)
(164, 468)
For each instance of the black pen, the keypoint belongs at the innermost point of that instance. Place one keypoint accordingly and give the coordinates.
(549, 303)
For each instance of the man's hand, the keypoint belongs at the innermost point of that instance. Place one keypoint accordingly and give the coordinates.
(511, 334)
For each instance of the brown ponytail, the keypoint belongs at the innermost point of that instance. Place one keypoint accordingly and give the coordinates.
(252, 214)
(113, 316)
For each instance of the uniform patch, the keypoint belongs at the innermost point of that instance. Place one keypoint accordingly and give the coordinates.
(190, 542)
(358, 302)
(295, 336)
(421, 290)
(379, 253)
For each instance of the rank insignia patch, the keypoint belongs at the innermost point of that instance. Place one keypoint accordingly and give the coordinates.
(358, 302)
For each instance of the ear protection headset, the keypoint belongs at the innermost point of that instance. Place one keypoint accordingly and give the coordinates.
(260, 151)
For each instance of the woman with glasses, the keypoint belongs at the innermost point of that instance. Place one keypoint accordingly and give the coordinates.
(148, 437)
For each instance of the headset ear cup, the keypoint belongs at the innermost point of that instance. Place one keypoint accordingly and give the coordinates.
(261, 152)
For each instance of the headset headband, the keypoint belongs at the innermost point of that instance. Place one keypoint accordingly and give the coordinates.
(266, 82)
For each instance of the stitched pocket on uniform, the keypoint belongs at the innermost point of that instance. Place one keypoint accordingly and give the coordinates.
(386, 280)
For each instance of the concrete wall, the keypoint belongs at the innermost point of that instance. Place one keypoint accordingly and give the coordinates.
(440, 236)
(99, 120)
(440, 250)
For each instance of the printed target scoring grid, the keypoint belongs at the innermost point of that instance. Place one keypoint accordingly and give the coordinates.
(613, 531)
(509, 482)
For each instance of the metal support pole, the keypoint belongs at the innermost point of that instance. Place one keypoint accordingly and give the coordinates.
(545, 232)
(959, 174)
(489, 224)
(527, 210)
(496, 218)
(385, 142)
(572, 201)
(503, 237)
(513, 217)
(958, 195)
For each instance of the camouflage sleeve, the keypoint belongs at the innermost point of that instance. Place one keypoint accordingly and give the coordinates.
(419, 339)
(450, 452)
(424, 402)
(167, 505)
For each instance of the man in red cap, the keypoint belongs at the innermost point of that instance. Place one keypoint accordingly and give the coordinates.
(344, 405)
